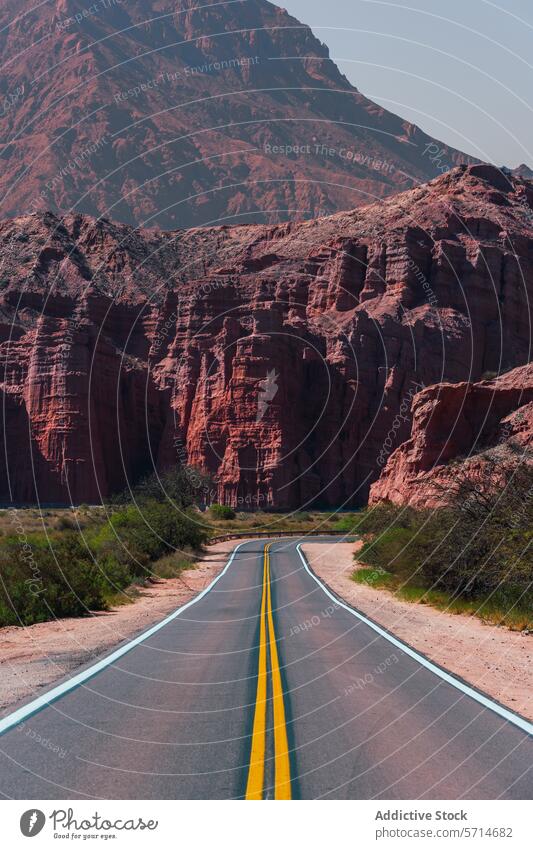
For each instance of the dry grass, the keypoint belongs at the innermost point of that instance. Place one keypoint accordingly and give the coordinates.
(309, 521)
(493, 610)
(34, 520)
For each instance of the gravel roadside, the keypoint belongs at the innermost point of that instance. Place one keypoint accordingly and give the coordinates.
(491, 658)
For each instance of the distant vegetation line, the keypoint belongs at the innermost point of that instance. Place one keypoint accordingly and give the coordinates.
(68, 562)
(472, 556)
(88, 559)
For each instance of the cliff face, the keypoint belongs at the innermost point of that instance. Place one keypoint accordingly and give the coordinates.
(453, 426)
(178, 115)
(283, 360)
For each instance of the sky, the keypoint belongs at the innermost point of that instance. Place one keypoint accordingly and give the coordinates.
(460, 69)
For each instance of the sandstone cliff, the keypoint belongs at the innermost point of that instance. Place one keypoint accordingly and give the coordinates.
(282, 359)
(453, 428)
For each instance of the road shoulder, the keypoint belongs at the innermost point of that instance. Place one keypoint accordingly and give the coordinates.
(490, 658)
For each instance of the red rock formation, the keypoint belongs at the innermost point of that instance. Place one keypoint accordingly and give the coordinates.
(281, 359)
(175, 115)
(455, 424)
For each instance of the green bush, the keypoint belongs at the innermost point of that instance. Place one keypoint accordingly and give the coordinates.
(477, 548)
(301, 517)
(172, 565)
(43, 579)
(389, 550)
(60, 575)
(347, 523)
(65, 523)
(139, 535)
(221, 511)
(177, 487)
(379, 518)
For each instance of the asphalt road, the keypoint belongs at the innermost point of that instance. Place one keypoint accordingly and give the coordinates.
(265, 688)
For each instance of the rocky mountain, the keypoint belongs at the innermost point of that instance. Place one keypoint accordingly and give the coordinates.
(179, 114)
(282, 359)
(454, 425)
(523, 171)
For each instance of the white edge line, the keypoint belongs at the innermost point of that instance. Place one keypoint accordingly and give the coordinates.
(519, 721)
(12, 719)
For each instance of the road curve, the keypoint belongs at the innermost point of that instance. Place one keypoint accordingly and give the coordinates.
(266, 688)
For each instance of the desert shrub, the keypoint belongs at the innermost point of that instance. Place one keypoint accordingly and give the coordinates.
(486, 532)
(222, 511)
(171, 565)
(380, 517)
(301, 517)
(181, 486)
(478, 547)
(389, 550)
(347, 522)
(65, 523)
(48, 578)
(139, 535)
(62, 575)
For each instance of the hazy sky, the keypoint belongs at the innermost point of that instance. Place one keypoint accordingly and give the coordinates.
(460, 69)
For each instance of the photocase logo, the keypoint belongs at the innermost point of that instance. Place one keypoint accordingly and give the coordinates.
(32, 822)
(268, 389)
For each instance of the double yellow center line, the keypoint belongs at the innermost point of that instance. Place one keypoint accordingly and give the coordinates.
(268, 650)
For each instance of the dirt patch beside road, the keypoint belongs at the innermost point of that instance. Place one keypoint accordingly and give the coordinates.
(493, 659)
(34, 657)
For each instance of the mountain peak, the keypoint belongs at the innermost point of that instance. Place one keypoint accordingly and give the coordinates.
(230, 112)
